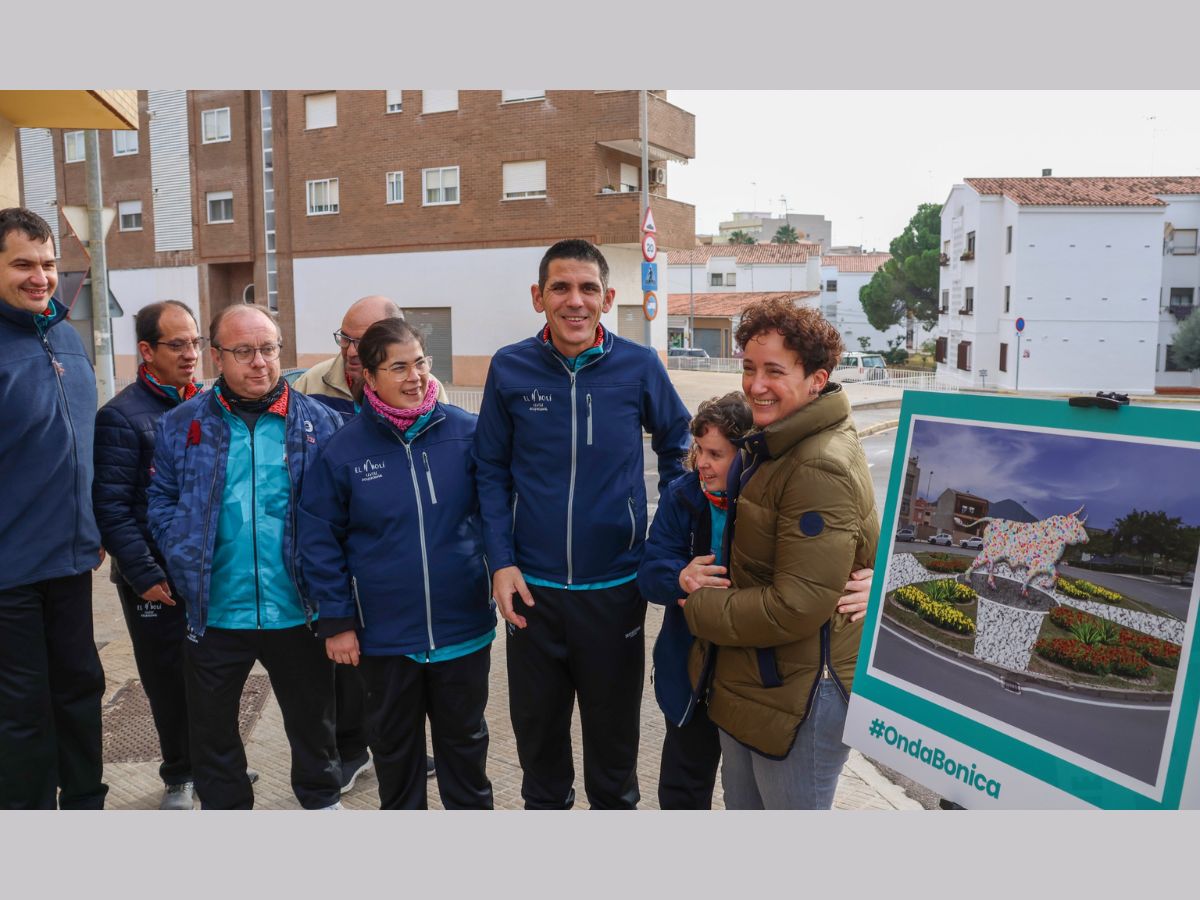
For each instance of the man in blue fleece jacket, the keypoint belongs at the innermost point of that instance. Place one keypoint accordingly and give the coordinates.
(558, 450)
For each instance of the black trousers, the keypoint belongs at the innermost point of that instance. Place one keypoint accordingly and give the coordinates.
(51, 687)
(690, 757)
(588, 645)
(350, 713)
(216, 666)
(453, 694)
(158, 632)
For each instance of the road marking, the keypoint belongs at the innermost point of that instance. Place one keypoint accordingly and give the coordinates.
(1024, 688)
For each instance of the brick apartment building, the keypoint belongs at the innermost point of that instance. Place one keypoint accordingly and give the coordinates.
(304, 201)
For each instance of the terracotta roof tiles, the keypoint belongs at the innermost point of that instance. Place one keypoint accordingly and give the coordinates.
(746, 254)
(1086, 191)
(728, 304)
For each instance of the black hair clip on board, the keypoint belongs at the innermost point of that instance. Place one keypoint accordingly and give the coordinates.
(1102, 400)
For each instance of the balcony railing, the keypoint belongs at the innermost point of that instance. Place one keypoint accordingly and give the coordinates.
(968, 255)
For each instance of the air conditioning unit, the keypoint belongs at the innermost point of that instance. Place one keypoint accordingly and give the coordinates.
(658, 175)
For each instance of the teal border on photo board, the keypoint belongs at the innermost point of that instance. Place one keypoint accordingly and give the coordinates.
(1154, 424)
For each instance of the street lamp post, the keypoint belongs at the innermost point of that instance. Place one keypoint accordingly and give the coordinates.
(929, 486)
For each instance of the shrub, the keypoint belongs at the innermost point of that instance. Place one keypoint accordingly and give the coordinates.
(1156, 650)
(1079, 589)
(936, 612)
(1159, 652)
(1095, 631)
(947, 590)
(950, 565)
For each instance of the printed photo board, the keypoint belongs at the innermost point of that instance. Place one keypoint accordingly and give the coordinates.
(1030, 639)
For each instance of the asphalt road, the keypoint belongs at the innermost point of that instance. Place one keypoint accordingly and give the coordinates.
(1125, 737)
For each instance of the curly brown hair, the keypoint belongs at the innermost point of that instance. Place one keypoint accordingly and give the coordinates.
(730, 415)
(805, 331)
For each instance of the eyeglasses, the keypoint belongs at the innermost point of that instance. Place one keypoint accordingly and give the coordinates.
(400, 370)
(344, 340)
(180, 346)
(246, 354)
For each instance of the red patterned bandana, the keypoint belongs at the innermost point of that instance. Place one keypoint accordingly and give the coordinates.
(717, 498)
(599, 335)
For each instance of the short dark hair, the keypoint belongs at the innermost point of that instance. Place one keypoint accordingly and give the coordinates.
(573, 248)
(730, 415)
(805, 331)
(145, 321)
(214, 327)
(18, 218)
(374, 344)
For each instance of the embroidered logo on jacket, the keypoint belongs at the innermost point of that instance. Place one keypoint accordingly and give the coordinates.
(538, 401)
(369, 470)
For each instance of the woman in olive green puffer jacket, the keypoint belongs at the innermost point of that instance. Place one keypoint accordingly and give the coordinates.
(804, 518)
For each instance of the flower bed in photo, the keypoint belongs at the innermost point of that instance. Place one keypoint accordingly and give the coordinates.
(1079, 589)
(1096, 659)
(936, 612)
(947, 590)
(1094, 630)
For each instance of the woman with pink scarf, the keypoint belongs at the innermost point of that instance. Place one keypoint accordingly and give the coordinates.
(393, 556)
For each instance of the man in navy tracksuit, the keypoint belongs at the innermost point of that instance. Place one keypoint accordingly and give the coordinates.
(558, 451)
(51, 682)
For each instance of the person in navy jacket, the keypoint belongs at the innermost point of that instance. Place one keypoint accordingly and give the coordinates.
(394, 558)
(51, 682)
(560, 470)
(688, 547)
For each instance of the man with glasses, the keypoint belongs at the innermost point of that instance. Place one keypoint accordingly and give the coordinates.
(169, 344)
(228, 468)
(333, 380)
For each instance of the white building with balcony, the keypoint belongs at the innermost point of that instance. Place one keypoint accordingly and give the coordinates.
(1101, 270)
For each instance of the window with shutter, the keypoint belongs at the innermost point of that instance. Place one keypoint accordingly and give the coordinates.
(395, 101)
(438, 101)
(320, 110)
(629, 178)
(524, 180)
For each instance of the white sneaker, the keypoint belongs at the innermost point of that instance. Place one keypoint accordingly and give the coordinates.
(178, 796)
(337, 806)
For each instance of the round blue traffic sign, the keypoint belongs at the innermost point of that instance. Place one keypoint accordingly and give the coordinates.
(1020, 324)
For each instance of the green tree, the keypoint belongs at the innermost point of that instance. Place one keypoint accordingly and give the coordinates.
(786, 235)
(741, 237)
(1185, 351)
(1149, 534)
(905, 287)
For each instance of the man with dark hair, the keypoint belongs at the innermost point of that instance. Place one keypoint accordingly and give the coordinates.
(559, 455)
(169, 344)
(51, 682)
(229, 465)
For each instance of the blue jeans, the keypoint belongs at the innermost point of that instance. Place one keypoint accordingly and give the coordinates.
(804, 779)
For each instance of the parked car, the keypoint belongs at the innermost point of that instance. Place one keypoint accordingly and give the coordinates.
(906, 534)
(856, 366)
(1188, 578)
(943, 538)
(689, 357)
(694, 352)
(971, 543)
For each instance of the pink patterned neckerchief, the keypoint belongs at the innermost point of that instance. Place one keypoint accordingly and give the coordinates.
(402, 418)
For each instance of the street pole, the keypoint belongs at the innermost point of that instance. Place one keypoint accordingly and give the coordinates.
(1018, 385)
(645, 133)
(929, 485)
(691, 308)
(101, 325)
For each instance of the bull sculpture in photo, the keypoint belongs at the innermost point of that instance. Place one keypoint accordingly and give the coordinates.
(1035, 547)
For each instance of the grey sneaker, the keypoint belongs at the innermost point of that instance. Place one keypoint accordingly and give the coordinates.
(332, 806)
(178, 796)
(352, 768)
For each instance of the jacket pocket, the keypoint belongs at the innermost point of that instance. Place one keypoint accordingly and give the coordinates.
(429, 478)
(516, 499)
(768, 668)
(632, 524)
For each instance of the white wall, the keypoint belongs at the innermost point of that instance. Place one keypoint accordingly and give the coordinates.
(486, 290)
(137, 288)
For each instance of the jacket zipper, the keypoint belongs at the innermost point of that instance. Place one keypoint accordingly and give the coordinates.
(357, 601)
(632, 524)
(295, 483)
(62, 394)
(212, 490)
(574, 465)
(254, 530)
(412, 470)
(429, 478)
(589, 403)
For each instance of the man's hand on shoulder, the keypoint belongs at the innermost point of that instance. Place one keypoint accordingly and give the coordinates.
(507, 583)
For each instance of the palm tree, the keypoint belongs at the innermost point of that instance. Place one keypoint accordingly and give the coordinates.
(741, 237)
(786, 235)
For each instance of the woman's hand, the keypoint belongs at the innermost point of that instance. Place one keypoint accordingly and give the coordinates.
(343, 648)
(858, 590)
(701, 572)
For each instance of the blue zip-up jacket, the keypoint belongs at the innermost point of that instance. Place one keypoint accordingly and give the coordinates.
(48, 414)
(559, 457)
(124, 456)
(187, 491)
(681, 531)
(393, 542)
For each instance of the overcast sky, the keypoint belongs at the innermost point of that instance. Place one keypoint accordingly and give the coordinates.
(1055, 474)
(877, 154)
